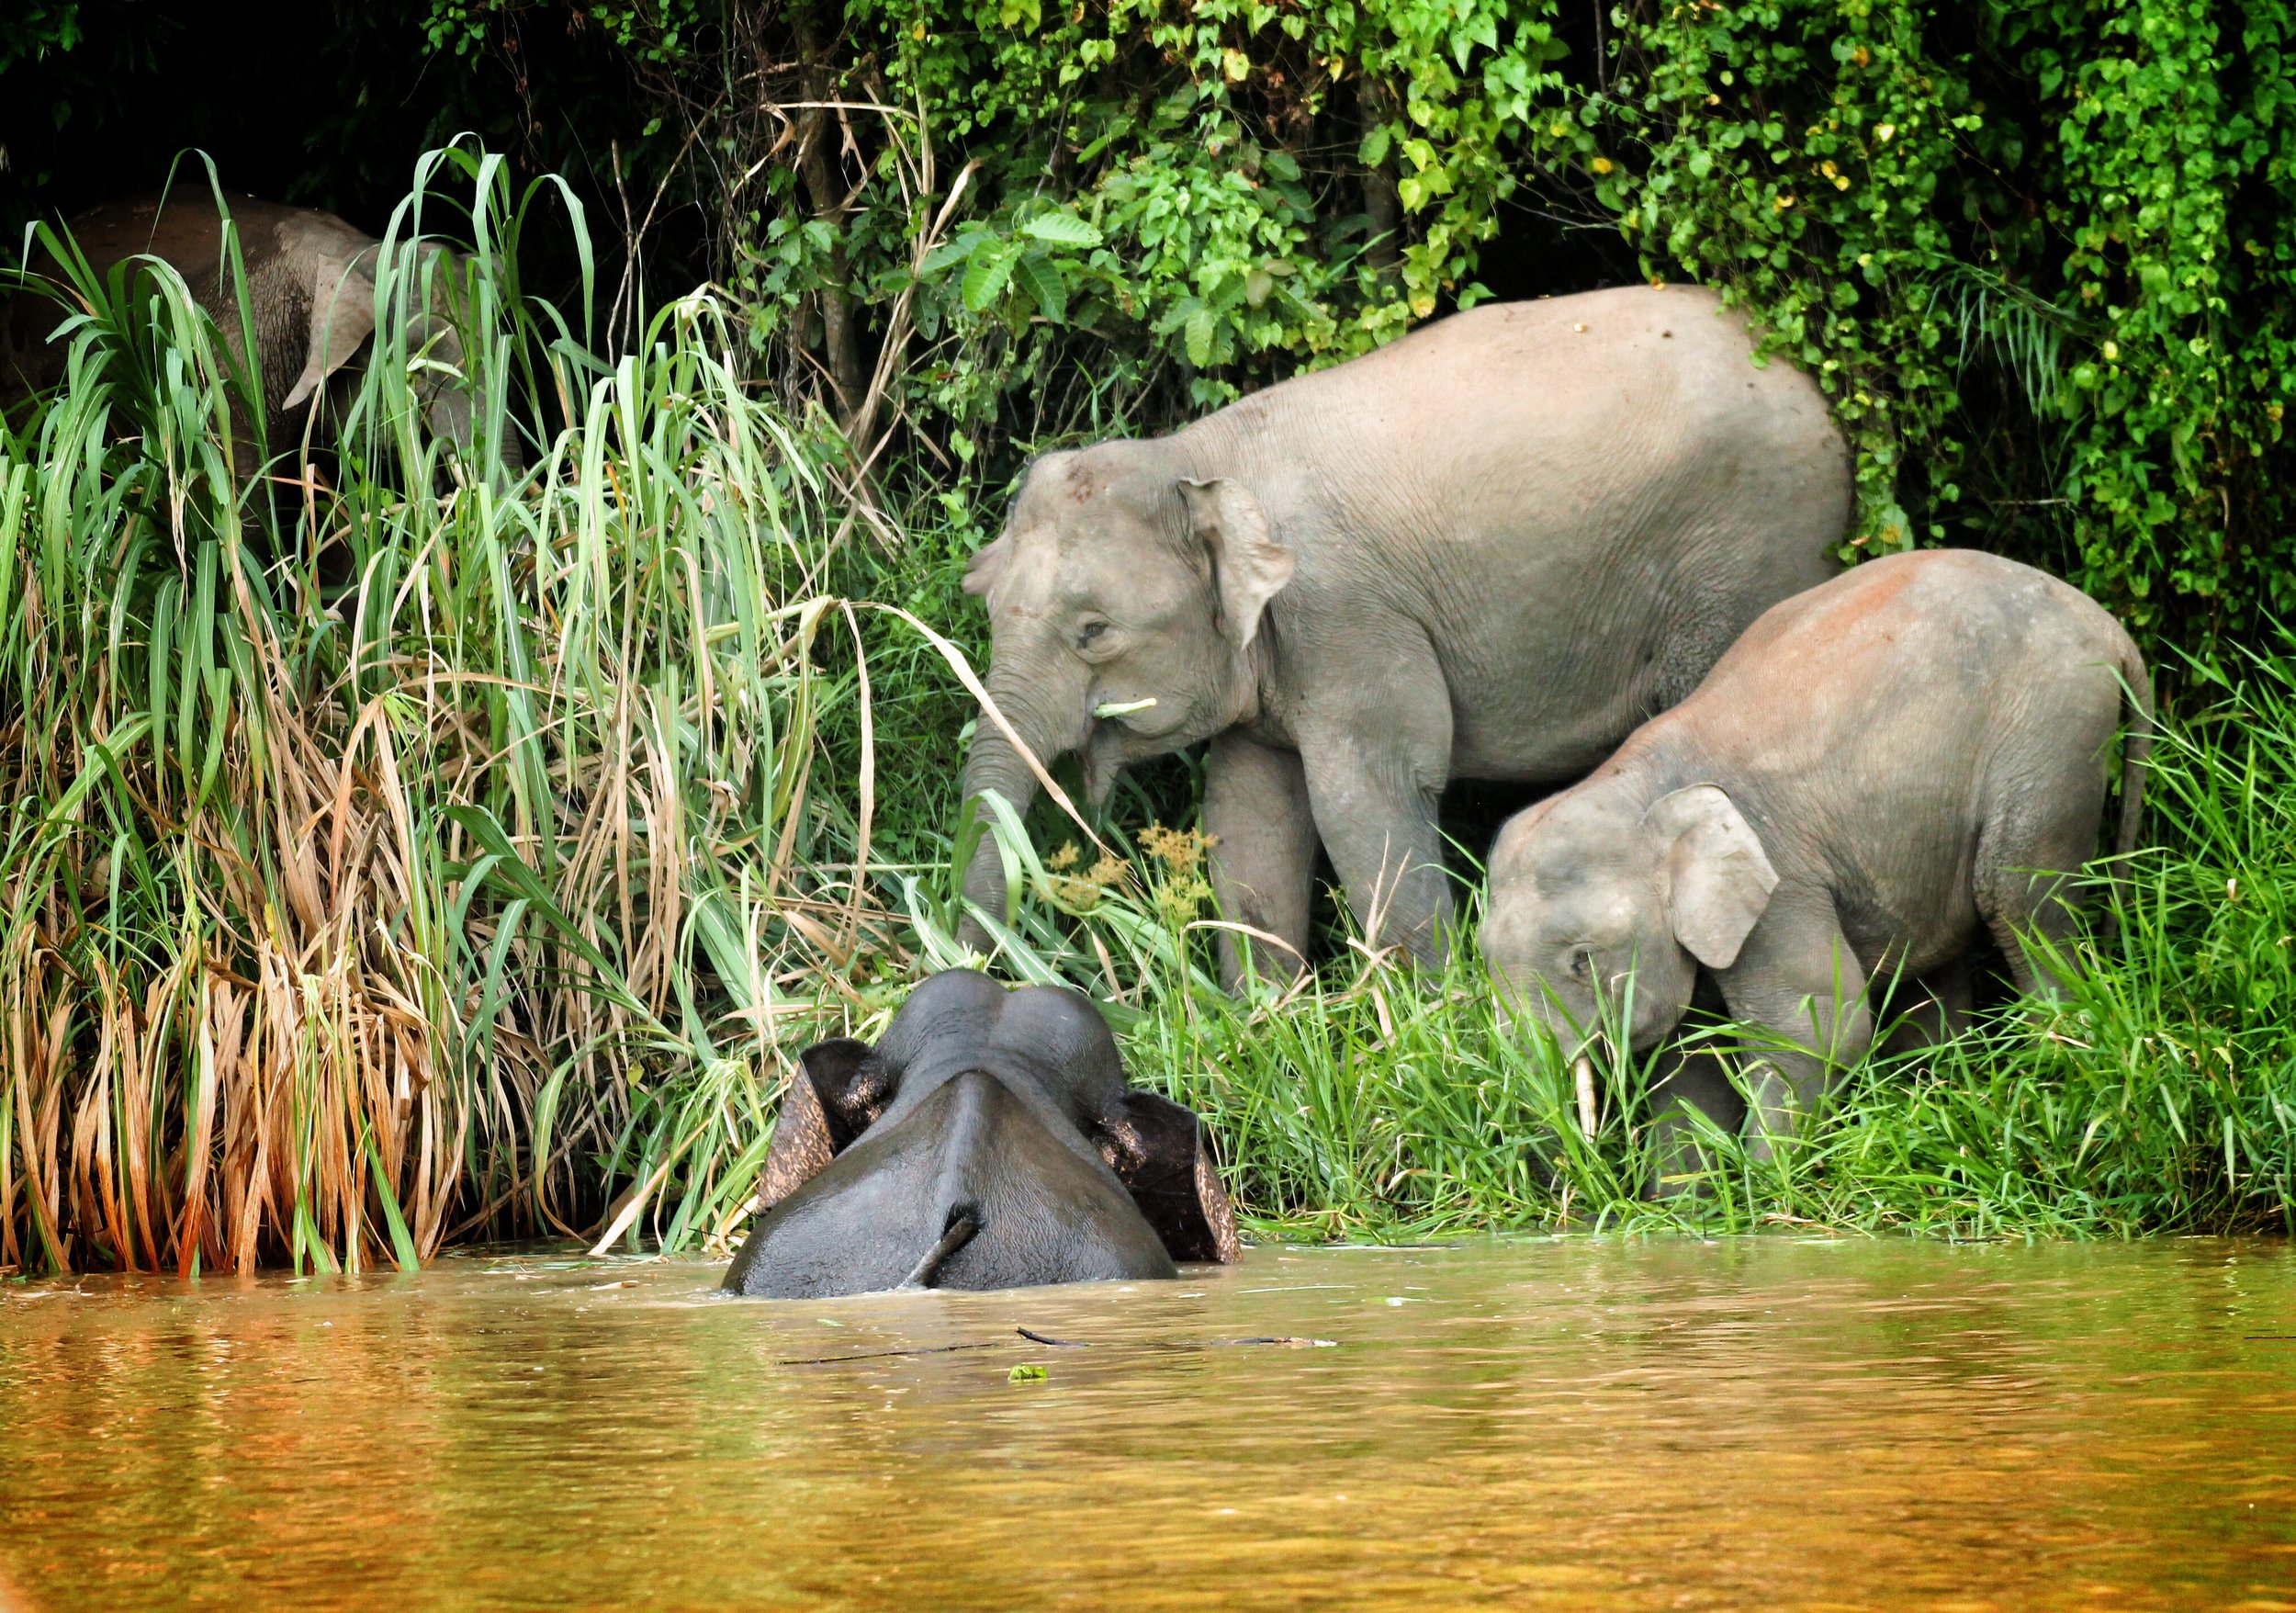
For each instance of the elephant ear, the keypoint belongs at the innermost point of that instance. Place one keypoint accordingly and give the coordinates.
(1250, 567)
(343, 316)
(1162, 1154)
(988, 565)
(1719, 877)
(838, 1092)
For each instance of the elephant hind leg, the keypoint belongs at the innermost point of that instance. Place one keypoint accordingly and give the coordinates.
(2026, 864)
(2044, 809)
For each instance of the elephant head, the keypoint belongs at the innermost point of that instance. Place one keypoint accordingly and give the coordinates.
(988, 1141)
(1591, 889)
(428, 283)
(1125, 597)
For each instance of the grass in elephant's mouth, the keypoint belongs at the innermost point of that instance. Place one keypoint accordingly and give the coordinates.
(379, 871)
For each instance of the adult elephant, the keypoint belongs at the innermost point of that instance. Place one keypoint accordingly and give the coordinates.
(311, 289)
(1488, 550)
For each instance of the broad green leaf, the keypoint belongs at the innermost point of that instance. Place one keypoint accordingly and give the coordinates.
(984, 282)
(1199, 329)
(950, 251)
(1037, 277)
(1061, 229)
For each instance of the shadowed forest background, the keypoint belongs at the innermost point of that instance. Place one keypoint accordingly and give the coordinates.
(470, 863)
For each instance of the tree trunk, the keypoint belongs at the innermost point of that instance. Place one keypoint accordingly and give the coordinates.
(819, 170)
(1381, 205)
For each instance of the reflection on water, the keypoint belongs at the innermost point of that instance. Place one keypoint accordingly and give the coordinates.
(1580, 1424)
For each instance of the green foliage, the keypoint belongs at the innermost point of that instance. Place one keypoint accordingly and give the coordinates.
(1793, 152)
(34, 29)
(2038, 257)
(2114, 179)
(1220, 157)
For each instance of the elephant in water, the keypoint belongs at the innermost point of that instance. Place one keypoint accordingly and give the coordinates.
(311, 290)
(1486, 551)
(1881, 773)
(989, 1141)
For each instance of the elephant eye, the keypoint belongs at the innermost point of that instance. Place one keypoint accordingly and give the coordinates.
(1090, 631)
(1583, 965)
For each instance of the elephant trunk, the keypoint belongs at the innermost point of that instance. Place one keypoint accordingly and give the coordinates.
(993, 765)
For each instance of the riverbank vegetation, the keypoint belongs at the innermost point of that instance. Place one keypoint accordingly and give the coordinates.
(398, 851)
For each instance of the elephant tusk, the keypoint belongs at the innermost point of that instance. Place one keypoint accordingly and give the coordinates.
(1122, 707)
(1583, 1071)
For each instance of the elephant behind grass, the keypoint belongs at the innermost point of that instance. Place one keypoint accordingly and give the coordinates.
(314, 288)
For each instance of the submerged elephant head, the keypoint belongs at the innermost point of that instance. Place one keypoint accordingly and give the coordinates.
(1592, 888)
(988, 1141)
(1124, 598)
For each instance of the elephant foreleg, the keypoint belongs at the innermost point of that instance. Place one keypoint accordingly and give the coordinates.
(1377, 818)
(1262, 855)
(1797, 985)
(1688, 1081)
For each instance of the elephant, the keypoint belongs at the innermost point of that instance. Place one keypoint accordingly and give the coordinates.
(987, 1141)
(1486, 550)
(310, 281)
(1881, 771)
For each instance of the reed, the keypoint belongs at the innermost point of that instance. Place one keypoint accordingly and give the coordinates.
(379, 830)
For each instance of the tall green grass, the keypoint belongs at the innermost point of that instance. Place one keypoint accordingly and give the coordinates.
(398, 850)
(395, 850)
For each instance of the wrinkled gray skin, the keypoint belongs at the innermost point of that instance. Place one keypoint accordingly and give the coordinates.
(311, 285)
(1485, 551)
(989, 1141)
(1860, 791)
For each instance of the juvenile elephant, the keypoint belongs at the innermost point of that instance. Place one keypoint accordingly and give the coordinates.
(1881, 770)
(1485, 551)
(989, 1141)
(310, 282)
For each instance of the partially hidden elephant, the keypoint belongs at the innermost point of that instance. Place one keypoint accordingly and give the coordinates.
(311, 290)
(1486, 551)
(988, 1141)
(1881, 773)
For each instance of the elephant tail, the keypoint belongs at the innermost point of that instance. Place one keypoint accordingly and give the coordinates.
(2137, 748)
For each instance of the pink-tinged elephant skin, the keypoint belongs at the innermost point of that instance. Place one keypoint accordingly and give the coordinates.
(1882, 772)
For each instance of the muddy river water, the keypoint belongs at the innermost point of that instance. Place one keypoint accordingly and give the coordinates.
(1582, 1424)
